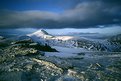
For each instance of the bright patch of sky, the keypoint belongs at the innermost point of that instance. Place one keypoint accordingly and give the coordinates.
(107, 31)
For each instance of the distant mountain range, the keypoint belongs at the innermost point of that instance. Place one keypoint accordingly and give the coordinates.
(115, 43)
(109, 44)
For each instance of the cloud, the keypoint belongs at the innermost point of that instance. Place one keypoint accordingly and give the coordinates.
(85, 14)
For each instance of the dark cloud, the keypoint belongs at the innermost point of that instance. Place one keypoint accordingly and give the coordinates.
(86, 13)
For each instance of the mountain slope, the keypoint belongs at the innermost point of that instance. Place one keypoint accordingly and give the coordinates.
(43, 37)
(114, 43)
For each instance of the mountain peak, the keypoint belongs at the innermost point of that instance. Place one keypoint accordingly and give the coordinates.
(43, 32)
(40, 33)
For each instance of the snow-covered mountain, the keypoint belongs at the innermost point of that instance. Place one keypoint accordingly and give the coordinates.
(43, 37)
(114, 43)
(41, 34)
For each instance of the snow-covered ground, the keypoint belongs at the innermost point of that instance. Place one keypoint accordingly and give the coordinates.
(65, 52)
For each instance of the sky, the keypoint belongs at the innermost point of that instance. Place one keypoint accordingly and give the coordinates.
(59, 13)
(112, 30)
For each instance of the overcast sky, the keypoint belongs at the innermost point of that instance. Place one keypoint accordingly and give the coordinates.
(59, 13)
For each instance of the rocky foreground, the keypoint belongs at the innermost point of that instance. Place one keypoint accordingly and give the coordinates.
(24, 60)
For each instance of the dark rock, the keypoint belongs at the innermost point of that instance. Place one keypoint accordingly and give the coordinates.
(30, 44)
(80, 53)
(23, 42)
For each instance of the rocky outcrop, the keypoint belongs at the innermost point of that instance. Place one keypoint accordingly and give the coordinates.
(29, 69)
(19, 62)
(31, 44)
(22, 48)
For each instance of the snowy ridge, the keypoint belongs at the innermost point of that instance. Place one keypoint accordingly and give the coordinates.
(41, 34)
(70, 41)
(114, 43)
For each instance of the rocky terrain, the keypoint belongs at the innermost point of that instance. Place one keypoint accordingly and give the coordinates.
(25, 60)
